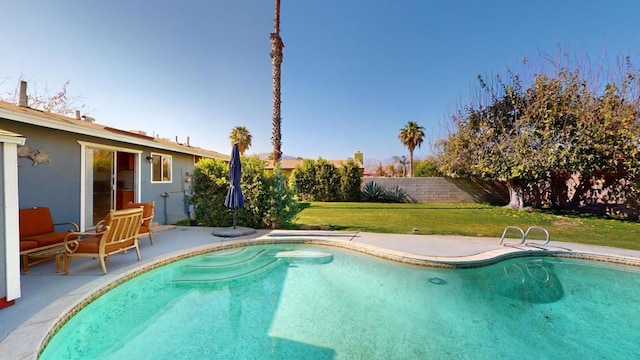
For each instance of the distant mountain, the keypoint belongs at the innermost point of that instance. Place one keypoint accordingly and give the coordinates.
(265, 156)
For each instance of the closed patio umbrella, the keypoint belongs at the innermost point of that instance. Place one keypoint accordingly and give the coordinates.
(234, 199)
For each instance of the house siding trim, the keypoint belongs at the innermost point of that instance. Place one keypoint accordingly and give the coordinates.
(83, 174)
(11, 206)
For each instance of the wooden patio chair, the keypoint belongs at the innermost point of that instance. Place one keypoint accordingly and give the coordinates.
(147, 217)
(118, 233)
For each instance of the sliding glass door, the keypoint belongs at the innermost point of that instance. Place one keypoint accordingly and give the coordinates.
(99, 184)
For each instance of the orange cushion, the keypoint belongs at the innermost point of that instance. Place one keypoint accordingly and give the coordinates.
(119, 245)
(28, 244)
(47, 239)
(147, 210)
(88, 245)
(35, 221)
(91, 245)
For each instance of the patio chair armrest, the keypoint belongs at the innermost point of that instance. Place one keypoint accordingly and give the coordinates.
(72, 239)
(100, 226)
(74, 225)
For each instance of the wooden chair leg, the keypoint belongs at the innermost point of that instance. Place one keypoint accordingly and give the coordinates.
(25, 264)
(103, 265)
(65, 264)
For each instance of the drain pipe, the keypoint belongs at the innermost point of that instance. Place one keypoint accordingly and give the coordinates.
(164, 196)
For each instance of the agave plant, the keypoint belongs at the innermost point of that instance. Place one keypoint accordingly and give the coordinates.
(397, 195)
(372, 191)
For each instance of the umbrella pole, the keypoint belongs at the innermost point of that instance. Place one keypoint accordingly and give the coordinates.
(234, 217)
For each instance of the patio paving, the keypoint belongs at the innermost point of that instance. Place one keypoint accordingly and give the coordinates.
(46, 294)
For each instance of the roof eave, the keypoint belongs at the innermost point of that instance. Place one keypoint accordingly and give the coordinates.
(99, 133)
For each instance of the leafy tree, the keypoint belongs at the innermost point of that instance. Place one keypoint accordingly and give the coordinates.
(550, 131)
(390, 170)
(427, 168)
(402, 163)
(241, 136)
(411, 136)
(380, 170)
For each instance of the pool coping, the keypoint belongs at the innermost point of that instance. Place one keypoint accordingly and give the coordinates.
(30, 338)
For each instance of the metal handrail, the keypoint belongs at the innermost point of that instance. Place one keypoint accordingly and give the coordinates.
(504, 233)
(546, 241)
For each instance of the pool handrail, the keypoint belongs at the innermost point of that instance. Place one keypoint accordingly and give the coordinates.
(546, 241)
(504, 233)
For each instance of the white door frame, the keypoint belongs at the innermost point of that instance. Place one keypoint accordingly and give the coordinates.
(83, 174)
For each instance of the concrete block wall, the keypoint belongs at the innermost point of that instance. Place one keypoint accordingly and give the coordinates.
(446, 190)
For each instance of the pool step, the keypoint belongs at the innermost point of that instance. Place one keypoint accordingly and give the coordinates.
(224, 267)
(223, 262)
(224, 275)
(304, 257)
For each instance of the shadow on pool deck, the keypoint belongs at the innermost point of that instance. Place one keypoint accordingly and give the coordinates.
(46, 294)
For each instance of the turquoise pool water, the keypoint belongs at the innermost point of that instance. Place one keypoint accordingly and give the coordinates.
(265, 302)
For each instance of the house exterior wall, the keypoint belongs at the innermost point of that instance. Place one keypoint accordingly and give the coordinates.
(445, 190)
(57, 185)
(168, 209)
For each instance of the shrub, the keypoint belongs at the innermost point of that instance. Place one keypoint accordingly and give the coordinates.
(320, 180)
(350, 181)
(268, 202)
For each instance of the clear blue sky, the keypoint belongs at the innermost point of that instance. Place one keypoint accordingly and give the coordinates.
(354, 71)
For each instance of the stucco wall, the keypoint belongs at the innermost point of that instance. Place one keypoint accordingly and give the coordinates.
(446, 190)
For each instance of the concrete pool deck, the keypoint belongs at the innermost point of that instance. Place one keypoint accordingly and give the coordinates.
(47, 296)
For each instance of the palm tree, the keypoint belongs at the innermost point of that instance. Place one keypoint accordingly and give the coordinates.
(411, 136)
(276, 57)
(402, 162)
(241, 136)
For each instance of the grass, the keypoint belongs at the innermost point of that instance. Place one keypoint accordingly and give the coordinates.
(467, 220)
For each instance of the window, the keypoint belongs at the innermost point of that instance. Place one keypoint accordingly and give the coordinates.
(160, 168)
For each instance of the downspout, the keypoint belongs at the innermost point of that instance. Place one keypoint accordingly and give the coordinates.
(164, 196)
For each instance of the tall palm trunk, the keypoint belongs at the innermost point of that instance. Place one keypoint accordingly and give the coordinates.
(276, 56)
(410, 162)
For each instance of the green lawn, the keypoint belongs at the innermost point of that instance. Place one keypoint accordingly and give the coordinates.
(467, 219)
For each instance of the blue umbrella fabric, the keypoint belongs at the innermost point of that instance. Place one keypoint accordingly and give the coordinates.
(234, 199)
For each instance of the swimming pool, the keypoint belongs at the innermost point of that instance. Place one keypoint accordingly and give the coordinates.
(264, 302)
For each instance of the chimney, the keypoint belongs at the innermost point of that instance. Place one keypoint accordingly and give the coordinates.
(78, 115)
(188, 141)
(23, 99)
(358, 156)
